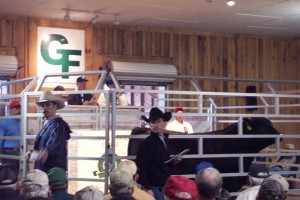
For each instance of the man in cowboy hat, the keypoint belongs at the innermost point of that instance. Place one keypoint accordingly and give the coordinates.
(152, 155)
(50, 145)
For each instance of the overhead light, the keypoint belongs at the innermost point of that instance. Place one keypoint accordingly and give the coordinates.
(94, 20)
(230, 2)
(67, 15)
(116, 21)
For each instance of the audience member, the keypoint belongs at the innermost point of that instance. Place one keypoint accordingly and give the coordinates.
(58, 184)
(50, 145)
(179, 124)
(286, 160)
(224, 194)
(130, 167)
(257, 174)
(121, 97)
(209, 184)
(81, 99)
(89, 193)
(121, 185)
(152, 155)
(11, 127)
(280, 179)
(59, 88)
(9, 187)
(35, 186)
(180, 188)
(271, 190)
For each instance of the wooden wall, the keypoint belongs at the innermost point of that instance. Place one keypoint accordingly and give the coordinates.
(198, 54)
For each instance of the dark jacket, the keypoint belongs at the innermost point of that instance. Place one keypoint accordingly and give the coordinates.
(53, 136)
(150, 160)
(77, 99)
(123, 197)
(61, 194)
(9, 194)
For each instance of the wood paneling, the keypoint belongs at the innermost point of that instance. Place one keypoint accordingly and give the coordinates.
(198, 54)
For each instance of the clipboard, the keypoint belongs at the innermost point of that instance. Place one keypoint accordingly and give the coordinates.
(177, 155)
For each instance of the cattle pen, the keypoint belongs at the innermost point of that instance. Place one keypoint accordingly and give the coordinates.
(101, 134)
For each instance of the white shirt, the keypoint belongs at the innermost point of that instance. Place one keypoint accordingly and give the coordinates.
(177, 126)
(249, 194)
(122, 100)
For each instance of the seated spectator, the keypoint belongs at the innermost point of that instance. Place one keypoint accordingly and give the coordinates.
(257, 174)
(280, 179)
(9, 187)
(180, 187)
(224, 194)
(121, 185)
(286, 160)
(35, 186)
(271, 190)
(60, 88)
(121, 97)
(179, 124)
(58, 184)
(209, 183)
(130, 167)
(81, 99)
(89, 193)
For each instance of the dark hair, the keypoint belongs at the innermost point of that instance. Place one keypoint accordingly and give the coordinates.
(59, 88)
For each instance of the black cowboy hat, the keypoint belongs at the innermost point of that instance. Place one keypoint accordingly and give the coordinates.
(156, 114)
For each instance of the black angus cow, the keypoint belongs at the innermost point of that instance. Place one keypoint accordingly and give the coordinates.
(218, 146)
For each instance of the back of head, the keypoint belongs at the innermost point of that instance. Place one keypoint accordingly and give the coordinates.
(89, 193)
(209, 183)
(257, 173)
(180, 188)
(8, 175)
(271, 190)
(128, 166)
(35, 185)
(120, 182)
(57, 178)
(280, 179)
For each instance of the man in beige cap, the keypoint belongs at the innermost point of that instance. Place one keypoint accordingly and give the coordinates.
(36, 185)
(121, 185)
(89, 193)
(50, 145)
(130, 167)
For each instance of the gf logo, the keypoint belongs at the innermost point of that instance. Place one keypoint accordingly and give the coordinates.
(65, 53)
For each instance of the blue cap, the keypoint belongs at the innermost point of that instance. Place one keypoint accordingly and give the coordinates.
(203, 165)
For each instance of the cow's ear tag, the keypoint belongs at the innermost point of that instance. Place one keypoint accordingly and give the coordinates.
(249, 128)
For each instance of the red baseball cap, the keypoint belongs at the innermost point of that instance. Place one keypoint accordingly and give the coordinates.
(14, 104)
(178, 108)
(180, 188)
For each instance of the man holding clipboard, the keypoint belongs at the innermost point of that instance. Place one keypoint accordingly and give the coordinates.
(153, 158)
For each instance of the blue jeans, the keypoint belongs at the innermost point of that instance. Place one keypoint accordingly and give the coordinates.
(158, 194)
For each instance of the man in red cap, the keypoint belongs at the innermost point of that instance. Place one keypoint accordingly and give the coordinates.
(180, 188)
(179, 124)
(11, 127)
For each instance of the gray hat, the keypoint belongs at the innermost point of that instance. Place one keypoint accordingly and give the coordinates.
(48, 96)
(90, 193)
(271, 190)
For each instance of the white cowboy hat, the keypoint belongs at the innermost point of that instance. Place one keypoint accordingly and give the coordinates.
(48, 96)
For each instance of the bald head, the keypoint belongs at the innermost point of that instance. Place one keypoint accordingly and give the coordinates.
(209, 183)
